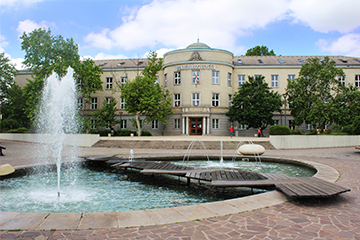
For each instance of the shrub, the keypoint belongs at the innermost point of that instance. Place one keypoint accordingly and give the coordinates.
(312, 132)
(356, 126)
(126, 132)
(19, 130)
(279, 130)
(297, 132)
(145, 133)
(347, 129)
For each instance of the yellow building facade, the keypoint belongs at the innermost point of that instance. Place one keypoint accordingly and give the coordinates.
(202, 81)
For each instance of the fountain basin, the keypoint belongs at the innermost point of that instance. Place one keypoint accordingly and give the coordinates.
(47, 221)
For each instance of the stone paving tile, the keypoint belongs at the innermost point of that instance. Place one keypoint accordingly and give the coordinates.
(334, 218)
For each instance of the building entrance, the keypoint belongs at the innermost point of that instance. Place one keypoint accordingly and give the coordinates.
(195, 126)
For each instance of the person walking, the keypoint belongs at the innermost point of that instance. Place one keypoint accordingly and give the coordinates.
(259, 132)
(1, 148)
(231, 131)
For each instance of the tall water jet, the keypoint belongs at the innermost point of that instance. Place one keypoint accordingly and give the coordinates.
(56, 116)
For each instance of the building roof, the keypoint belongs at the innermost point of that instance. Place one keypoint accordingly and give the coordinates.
(238, 61)
(290, 60)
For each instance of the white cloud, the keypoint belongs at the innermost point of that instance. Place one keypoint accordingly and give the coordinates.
(327, 15)
(348, 44)
(18, 3)
(3, 43)
(160, 52)
(101, 56)
(29, 25)
(18, 63)
(176, 23)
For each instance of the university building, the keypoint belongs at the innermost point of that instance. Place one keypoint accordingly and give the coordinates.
(202, 81)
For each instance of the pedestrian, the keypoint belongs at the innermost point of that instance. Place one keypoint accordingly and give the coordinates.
(1, 148)
(259, 132)
(231, 131)
(112, 128)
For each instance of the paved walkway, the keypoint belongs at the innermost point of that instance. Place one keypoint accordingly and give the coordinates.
(335, 218)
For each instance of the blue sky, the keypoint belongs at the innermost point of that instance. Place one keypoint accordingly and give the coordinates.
(113, 29)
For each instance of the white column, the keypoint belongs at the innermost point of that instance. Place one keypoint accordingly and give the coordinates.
(204, 126)
(208, 125)
(183, 126)
(187, 126)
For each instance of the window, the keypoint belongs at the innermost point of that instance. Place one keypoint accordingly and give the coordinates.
(177, 78)
(123, 124)
(342, 80)
(276, 122)
(93, 123)
(300, 60)
(215, 77)
(229, 100)
(141, 123)
(157, 79)
(291, 124)
(165, 80)
(280, 61)
(357, 81)
(257, 75)
(122, 103)
(154, 124)
(242, 126)
(108, 99)
(260, 61)
(274, 81)
(177, 100)
(94, 103)
(239, 61)
(195, 99)
(78, 83)
(241, 80)
(80, 103)
(109, 82)
(177, 123)
(215, 100)
(123, 80)
(229, 79)
(195, 77)
(291, 77)
(215, 123)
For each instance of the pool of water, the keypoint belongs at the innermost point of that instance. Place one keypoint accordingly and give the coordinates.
(263, 167)
(85, 189)
(102, 191)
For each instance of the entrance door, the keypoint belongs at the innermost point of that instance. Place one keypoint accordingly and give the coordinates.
(195, 126)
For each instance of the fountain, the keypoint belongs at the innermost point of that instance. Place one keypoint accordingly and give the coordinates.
(190, 147)
(131, 156)
(57, 116)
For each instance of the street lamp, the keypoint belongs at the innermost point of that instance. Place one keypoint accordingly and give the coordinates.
(285, 95)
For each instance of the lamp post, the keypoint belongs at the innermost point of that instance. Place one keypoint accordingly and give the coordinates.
(285, 95)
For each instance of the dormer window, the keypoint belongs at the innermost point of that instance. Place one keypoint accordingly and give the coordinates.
(239, 61)
(300, 60)
(260, 61)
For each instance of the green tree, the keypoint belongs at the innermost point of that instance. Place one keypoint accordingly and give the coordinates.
(45, 53)
(11, 97)
(106, 116)
(254, 104)
(13, 109)
(346, 106)
(144, 97)
(311, 97)
(88, 76)
(7, 76)
(259, 51)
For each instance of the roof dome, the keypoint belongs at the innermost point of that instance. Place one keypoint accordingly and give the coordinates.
(198, 45)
